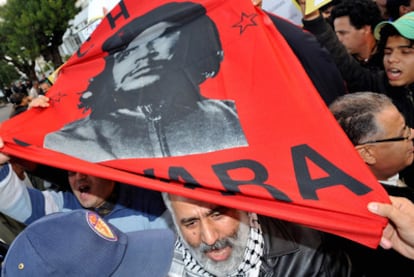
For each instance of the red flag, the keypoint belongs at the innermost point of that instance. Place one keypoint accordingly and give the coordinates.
(203, 99)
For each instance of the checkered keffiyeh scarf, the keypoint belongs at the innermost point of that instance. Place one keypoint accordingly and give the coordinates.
(185, 265)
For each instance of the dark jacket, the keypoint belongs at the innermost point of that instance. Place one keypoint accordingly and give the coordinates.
(380, 262)
(17, 109)
(374, 63)
(292, 250)
(370, 262)
(315, 59)
(407, 192)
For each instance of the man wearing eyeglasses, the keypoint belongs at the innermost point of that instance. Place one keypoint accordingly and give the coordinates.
(385, 142)
(380, 135)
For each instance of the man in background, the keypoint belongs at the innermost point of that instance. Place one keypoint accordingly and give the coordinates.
(385, 142)
(354, 22)
(214, 240)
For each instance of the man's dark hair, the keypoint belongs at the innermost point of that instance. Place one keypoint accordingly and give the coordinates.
(393, 8)
(198, 51)
(361, 13)
(45, 81)
(17, 98)
(355, 113)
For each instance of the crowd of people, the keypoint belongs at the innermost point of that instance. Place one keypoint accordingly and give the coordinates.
(20, 93)
(359, 54)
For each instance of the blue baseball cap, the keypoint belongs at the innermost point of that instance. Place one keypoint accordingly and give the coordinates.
(81, 243)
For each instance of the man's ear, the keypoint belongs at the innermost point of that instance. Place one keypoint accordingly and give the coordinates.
(367, 29)
(404, 9)
(367, 154)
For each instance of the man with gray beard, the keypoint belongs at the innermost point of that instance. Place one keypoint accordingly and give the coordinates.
(220, 241)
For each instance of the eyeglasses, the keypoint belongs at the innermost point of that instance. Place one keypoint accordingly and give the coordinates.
(407, 137)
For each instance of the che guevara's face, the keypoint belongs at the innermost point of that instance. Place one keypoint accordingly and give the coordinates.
(141, 63)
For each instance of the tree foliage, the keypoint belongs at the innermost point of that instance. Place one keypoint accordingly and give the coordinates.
(33, 28)
(8, 74)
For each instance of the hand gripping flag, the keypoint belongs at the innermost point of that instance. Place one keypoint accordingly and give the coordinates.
(204, 99)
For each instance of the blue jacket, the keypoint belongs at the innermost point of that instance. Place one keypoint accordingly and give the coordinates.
(135, 208)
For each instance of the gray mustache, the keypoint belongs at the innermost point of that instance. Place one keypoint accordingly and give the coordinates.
(220, 244)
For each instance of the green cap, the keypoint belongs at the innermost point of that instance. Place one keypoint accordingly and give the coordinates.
(404, 25)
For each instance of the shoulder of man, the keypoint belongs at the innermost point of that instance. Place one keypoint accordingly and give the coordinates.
(288, 236)
(291, 244)
(315, 59)
(141, 199)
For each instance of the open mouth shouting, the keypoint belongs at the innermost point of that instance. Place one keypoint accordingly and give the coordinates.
(219, 254)
(84, 192)
(84, 188)
(393, 74)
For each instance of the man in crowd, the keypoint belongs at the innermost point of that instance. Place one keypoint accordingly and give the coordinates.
(34, 90)
(380, 135)
(397, 8)
(20, 103)
(44, 86)
(396, 47)
(127, 207)
(385, 142)
(396, 80)
(215, 240)
(354, 22)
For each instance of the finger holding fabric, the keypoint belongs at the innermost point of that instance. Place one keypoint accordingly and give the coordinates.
(399, 233)
(39, 102)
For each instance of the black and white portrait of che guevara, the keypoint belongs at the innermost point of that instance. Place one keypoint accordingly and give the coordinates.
(147, 101)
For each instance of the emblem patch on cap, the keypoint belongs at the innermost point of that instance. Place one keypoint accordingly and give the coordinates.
(99, 226)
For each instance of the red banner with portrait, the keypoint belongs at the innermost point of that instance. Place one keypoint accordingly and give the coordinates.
(204, 99)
